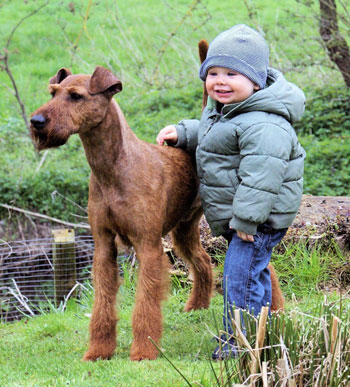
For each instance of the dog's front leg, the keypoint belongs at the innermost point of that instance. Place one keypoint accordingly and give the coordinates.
(151, 291)
(106, 283)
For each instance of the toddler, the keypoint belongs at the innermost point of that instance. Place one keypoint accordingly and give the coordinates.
(249, 162)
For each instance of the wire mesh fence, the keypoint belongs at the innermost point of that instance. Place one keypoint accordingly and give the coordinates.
(37, 273)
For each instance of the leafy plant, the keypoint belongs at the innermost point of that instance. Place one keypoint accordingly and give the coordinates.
(327, 166)
(327, 113)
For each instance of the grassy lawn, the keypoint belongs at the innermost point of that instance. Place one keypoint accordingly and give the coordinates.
(47, 350)
(150, 45)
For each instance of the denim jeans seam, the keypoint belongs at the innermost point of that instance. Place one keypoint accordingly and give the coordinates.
(249, 281)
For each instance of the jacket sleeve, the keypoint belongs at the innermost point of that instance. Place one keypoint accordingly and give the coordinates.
(187, 132)
(265, 150)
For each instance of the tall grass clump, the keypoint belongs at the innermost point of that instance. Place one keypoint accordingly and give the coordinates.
(288, 349)
(307, 345)
(293, 348)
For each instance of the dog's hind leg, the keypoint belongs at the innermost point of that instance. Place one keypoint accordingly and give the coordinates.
(106, 283)
(152, 285)
(186, 241)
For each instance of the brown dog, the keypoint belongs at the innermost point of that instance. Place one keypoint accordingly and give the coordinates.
(138, 193)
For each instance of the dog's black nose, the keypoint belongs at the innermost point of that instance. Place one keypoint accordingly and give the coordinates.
(38, 121)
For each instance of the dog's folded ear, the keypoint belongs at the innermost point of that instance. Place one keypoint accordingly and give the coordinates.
(104, 81)
(61, 74)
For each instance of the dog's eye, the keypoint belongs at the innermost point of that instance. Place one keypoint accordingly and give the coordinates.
(76, 96)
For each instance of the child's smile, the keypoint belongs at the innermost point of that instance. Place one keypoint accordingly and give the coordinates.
(223, 93)
(227, 86)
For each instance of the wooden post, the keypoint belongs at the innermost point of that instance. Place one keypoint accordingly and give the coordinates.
(63, 253)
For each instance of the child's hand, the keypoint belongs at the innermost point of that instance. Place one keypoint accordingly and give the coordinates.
(168, 134)
(245, 237)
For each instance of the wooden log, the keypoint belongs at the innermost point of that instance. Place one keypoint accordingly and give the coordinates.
(63, 253)
(321, 220)
(324, 219)
(322, 210)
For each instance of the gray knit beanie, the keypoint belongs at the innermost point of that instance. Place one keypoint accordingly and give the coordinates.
(241, 49)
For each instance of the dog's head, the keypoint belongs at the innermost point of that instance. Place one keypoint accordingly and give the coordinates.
(79, 103)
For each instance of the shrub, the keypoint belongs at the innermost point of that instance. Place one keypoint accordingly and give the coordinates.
(327, 112)
(65, 170)
(293, 348)
(327, 166)
(147, 115)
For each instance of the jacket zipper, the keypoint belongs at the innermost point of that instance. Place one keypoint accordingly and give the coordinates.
(217, 118)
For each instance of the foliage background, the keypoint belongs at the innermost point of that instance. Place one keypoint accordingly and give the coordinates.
(152, 47)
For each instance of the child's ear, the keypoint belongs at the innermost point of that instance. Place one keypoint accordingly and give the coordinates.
(256, 87)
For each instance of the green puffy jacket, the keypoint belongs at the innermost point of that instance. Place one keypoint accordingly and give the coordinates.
(249, 160)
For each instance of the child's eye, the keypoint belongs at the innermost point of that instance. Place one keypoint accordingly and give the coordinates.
(213, 74)
(230, 74)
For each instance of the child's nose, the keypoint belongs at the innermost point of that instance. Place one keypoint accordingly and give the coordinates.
(221, 79)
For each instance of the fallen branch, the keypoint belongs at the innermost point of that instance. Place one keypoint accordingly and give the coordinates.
(75, 225)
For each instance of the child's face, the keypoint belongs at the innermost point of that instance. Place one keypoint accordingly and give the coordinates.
(227, 86)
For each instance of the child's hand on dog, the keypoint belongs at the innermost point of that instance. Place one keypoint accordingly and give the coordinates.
(168, 134)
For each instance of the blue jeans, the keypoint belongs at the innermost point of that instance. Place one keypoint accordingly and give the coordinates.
(246, 281)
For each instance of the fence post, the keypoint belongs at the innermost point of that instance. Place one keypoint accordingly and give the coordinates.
(63, 254)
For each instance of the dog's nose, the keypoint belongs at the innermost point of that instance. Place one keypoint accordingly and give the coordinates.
(38, 121)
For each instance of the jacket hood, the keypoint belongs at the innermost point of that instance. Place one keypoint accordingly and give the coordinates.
(278, 97)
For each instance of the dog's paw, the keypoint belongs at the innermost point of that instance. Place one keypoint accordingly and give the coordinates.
(145, 352)
(143, 356)
(92, 355)
(196, 305)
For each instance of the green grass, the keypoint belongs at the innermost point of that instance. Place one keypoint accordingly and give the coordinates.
(304, 270)
(129, 38)
(47, 350)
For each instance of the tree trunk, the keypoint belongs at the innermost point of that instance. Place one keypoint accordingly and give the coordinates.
(336, 45)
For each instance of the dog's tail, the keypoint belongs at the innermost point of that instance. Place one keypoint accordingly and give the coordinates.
(202, 50)
(277, 296)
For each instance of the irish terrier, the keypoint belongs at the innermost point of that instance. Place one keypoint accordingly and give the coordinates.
(138, 193)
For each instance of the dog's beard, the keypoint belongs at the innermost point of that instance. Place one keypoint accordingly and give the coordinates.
(43, 140)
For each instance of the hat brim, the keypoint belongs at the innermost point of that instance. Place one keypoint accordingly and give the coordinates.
(234, 64)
